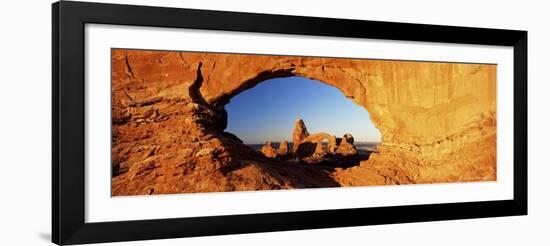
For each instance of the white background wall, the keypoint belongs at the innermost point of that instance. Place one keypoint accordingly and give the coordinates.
(25, 122)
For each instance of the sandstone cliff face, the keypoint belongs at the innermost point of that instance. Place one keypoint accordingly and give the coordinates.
(437, 120)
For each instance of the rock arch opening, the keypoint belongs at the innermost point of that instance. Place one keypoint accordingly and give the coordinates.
(271, 117)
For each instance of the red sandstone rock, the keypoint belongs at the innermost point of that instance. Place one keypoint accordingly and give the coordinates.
(332, 145)
(299, 134)
(348, 138)
(346, 147)
(437, 121)
(268, 150)
(320, 151)
(283, 150)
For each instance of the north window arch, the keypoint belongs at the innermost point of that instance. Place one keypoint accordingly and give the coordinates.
(437, 122)
(268, 111)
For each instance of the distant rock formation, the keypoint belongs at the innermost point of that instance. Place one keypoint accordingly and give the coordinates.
(312, 145)
(346, 147)
(320, 151)
(283, 151)
(304, 150)
(348, 138)
(299, 134)
(268, 150)
(332, 145)
(318, 139)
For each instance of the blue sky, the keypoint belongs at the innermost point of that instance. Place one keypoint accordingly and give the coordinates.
(267, 112)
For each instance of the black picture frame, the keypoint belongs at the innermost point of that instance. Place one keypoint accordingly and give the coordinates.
(68, 24)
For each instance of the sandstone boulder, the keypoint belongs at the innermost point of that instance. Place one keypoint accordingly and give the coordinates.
(348, 138)
(268, 150)
(346, 147)
(283, 150)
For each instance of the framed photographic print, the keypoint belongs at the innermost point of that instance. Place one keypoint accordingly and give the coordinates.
(173, 122)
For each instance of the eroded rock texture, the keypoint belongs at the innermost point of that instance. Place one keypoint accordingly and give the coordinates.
(299, 134)
(269, 151)
(283, 150)
(346, 147)
(437, 121)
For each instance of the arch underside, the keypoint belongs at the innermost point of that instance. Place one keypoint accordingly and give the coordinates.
(437, 121)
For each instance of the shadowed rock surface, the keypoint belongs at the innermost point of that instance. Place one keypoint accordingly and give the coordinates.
(283, 151)
(437, 121)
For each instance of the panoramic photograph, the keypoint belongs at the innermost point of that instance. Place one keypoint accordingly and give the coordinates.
(197, 122)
